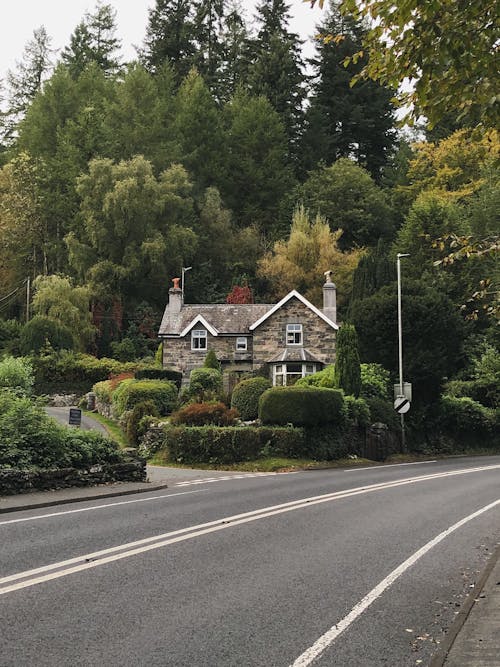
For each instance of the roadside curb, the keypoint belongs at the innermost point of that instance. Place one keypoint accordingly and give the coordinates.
(439, 658)
(79, 499)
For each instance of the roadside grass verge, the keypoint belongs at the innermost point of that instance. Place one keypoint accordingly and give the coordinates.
(265, 464)
(112, 428)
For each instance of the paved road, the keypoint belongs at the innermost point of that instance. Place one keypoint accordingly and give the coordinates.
(88, 424)
(347, 568)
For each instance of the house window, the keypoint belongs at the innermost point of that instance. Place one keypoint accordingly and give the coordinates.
(241, 344)
(294, 334)
(286, 375)
(198, 339)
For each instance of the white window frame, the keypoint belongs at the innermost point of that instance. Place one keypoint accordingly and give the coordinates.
(197, 337)
(241, 344)
(280, 373)
(294, 334)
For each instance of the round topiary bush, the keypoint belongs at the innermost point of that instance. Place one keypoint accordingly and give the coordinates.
(130, 392)
(205, 384)
(302, 406)
(246, 396)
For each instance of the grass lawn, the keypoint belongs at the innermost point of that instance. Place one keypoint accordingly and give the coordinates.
(114, 431)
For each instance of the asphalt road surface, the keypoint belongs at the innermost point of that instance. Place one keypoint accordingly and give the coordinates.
(334, 567)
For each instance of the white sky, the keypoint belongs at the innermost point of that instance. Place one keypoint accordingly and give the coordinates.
(60, 17)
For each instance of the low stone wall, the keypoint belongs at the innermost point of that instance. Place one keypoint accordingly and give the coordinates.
(14, 481)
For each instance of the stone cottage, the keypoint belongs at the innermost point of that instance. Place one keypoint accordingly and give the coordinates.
(286, 340)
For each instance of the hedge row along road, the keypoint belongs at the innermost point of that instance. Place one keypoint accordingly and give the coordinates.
(331, 567)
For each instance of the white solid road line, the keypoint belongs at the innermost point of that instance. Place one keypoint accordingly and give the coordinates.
(391, 465)
(91, 560)
(97, 507)
(329, 637)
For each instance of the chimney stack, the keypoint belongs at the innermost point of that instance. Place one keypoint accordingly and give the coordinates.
(330, 298)
(175, 299)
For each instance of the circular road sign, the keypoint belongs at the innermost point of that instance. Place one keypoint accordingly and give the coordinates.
(401, 405)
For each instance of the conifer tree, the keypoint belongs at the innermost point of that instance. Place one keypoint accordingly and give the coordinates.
(208, 26)
(343, 120)
(93, 40)
(235, 58)
(347, 365)
(170, 37)
(276, 70)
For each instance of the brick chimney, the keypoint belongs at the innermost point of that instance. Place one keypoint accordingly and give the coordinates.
(175, 298)
(330, 298)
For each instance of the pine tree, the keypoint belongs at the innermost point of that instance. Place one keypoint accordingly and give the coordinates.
(347, 365)
(208, 28)
(94, 41)
(343, 120)
(235, 58)
(170, 37)
(26, 80)
(277, 68)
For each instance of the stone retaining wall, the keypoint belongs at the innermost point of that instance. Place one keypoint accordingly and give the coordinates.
(14, 481)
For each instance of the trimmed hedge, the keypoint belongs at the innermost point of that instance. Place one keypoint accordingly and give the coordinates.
(302, 406)
(205, 384)
(246, 396)
(230, 444)
(466, 416)
(162, 393)
(159, 374)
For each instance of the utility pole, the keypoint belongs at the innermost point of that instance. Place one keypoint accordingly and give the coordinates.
(28, 298)
(400, 347)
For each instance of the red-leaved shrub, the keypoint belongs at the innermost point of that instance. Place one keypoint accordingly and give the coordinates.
(200, 414)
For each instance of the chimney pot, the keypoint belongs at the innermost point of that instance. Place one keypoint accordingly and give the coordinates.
(175, 297)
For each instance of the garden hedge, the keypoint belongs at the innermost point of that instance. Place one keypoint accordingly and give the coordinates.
(162, 393)
(159, 374)
(246, 396)
(302, 406)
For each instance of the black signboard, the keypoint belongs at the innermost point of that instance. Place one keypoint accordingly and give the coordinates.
(75, 416)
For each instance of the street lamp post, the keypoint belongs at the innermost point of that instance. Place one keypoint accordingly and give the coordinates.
(185, 269)
(400, 347)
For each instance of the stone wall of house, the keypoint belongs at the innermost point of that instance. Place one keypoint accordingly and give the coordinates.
(177, 354)
(270, 337)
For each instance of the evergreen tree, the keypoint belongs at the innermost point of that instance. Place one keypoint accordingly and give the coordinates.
(347, 366)
(235, 59)
(26, 80)
(276, 71)
(258, 171)
(170, 37)
(94, 41)
(343, 120)
(209, 53)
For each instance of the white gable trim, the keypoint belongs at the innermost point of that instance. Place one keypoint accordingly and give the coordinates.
(286, 298)
(199, 319)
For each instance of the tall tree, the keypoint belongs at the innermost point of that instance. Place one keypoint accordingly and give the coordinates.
(208, 26)
(351, 201)
(258, 172)
(170, 37)
(450, 55)
(343, 120)
(26, 80)
(94, 41)
(236, 57)
(347, 366)
(276, 71)
(310, 250)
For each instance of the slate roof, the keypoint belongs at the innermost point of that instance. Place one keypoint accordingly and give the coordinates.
(227, 318)
(293, 354)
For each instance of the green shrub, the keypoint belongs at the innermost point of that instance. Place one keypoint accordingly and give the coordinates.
(159, 374)
(358, 412)
(70, 370)
(466, 416)
(29, 438)
(205, 384)
(200, 414)
(302, 406)
(287, 441)
(40, 331)
(10, 332)
(375, 381)
(103, 391)
(140, 410)
(123, 350)
(323, 378)
(330, 442)
(246, 396)
(130, 392)
(383, 411)
(16, 373)
(211, 361)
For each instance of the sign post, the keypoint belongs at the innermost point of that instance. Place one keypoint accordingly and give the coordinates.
(75, 417)
(400, 349)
